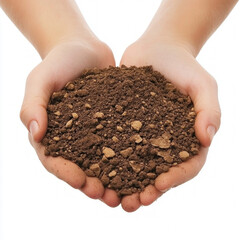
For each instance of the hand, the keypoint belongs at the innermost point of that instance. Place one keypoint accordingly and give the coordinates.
(177, 64)
(63, 63)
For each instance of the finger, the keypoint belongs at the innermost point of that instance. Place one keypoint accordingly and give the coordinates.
(69, 172)
(93, 188)
(149, 195)
(205, 98)
(131, 203)
(61, 168)
(33, 112)
(111, 198)
(181, 173)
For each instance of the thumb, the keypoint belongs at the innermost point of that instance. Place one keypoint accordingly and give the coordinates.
(205, 98)
(33, 112)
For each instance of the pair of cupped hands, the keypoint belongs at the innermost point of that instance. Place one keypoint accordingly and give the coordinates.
(67, 59)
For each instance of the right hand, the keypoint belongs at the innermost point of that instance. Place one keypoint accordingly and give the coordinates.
(64, 62)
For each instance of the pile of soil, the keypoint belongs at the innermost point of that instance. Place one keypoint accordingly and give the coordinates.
(123, 125)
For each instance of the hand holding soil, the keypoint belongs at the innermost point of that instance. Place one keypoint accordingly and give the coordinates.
(178, 65)
(49, 76)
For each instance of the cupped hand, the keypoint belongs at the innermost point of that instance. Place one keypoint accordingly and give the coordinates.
(176, 62)
(63, 63)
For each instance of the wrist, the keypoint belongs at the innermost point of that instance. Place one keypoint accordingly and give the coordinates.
(50, 43)
(167, 39)
(188, 23)
(47, 23)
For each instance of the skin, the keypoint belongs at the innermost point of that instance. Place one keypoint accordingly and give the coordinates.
(68, 46)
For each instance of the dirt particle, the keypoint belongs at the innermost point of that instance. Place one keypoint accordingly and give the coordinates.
(192, 114)
(115, 139)
(108, 152)
(152, 126)
(88, 141)
(166, 136)
(114, 161)
(146, 182)
(105, 180)
(136, 125)
(136, 138)
(99, 127)
(57, 113)
(184, 155)
(194, 150)
(125, 192)
(112, 173)
(151, 175)
(166, 156)
(151, 165)
(137, 167)
(119, 128)
(69, 124)
(99, 115)
(56, 139)
(95, 168)
(87, 106)
(89, 173)
(104, 159)
(168, 123)
(160, 142)
(75, 115)
(70, 106)
(162, 168)
(57, 96)
(82, 92)
(98, 152)
(126, 152)
(70, 86)
(116, 182)
(119, 108)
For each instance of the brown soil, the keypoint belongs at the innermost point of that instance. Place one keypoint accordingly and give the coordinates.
(123, 125)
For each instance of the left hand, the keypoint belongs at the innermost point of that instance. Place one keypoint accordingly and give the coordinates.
(178, 65)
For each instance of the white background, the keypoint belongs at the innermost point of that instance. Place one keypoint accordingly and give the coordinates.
(36, 205)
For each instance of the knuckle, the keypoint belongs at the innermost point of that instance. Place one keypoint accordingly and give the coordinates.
(23, 113)
(31, 76)
(217, 115)
(212, 81)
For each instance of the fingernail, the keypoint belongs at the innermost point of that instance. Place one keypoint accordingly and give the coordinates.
(33, 128)
(211, 132)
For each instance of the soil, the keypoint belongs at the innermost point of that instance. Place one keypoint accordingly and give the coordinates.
(125, 126)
